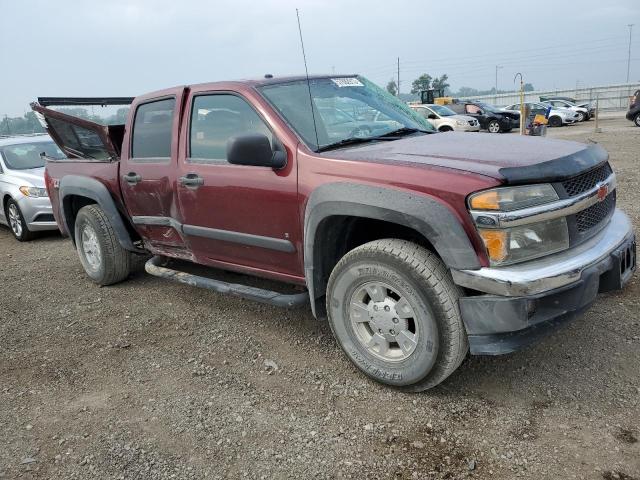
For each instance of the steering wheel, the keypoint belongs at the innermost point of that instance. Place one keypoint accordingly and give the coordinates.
(360, 132)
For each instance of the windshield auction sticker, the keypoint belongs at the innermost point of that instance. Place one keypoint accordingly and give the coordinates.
(347, 82)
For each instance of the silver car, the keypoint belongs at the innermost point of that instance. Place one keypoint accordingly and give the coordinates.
(25, 204)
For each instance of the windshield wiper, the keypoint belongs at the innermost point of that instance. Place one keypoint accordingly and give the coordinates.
(392, 135)
(346, 142)
(402, 131)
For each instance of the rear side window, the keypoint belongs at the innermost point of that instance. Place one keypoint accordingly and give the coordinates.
(78, 140)
(472, 108)
(152, 129)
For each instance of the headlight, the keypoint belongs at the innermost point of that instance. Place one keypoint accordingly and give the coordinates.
(517, 244)
(461, 123)
(524, 242)
(507, 199)
(33, 191)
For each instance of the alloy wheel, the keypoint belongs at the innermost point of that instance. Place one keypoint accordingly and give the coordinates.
(384, 321)
(15, 220)
(91, 247)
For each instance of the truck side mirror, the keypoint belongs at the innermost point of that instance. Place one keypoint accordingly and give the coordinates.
(254, 149)
(432, 116)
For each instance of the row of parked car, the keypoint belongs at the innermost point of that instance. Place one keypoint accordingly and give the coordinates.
(472, 116)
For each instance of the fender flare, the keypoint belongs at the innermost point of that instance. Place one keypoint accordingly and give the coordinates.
(98, 192)
(425, 214)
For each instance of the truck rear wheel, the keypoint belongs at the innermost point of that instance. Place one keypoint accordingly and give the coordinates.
(393, 308)
(101, 255)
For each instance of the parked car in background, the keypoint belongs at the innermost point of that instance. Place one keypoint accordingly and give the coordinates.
(588, 105)
(633, 113)
(25, 203)
(490, 118)
(584, 112)
(446, 120)
(557, 116)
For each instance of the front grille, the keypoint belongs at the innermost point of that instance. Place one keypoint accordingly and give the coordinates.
(592, 216)
(586, 181)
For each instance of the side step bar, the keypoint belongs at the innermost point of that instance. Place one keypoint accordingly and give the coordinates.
(153, 266)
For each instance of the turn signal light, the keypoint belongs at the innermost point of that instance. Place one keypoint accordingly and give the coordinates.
(496, 243)
(488, 200)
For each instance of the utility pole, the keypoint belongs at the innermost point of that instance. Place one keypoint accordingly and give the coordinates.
(629, 54)
(398, 89)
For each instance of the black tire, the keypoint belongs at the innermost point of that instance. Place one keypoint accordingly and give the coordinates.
(13, 214)
(112, 264)
(446, 128)
(636, 119)
(555, 121)
(494, 126)
(420, 277)
(581, 117)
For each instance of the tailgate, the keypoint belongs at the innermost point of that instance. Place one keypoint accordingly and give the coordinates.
(80, 137)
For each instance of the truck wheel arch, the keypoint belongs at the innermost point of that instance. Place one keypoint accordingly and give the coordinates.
(424, 215)
(89, 190)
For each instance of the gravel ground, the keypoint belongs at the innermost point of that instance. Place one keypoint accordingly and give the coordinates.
(150, 379)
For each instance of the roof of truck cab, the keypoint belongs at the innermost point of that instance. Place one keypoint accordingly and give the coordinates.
(252, 82)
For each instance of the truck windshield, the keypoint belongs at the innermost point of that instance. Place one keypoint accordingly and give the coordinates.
(24, 156)
(346, 110)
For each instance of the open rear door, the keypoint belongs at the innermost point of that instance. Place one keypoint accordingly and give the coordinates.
(78, 137)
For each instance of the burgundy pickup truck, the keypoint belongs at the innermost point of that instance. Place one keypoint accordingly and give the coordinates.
(417, 246)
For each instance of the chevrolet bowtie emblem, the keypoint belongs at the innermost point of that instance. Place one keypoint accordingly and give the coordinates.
(603, 191)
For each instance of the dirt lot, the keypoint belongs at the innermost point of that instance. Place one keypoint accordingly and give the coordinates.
(150, 379)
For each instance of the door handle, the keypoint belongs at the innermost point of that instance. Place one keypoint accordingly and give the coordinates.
(132, 178)
(191, 180)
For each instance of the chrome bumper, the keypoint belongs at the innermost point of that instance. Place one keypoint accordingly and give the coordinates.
(551, 272)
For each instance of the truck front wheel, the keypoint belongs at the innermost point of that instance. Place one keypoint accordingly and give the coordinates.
(103, 258)
(393, 308)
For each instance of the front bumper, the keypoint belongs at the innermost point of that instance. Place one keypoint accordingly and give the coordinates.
(518, 304)
(37, 213)
(467, 128)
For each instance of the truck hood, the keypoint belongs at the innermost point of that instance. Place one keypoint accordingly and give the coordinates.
(513, 159)
(34, 177)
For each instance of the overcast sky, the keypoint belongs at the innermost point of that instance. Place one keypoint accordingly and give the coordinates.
(129, 47)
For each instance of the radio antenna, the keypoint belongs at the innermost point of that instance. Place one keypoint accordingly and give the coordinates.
(304, 57)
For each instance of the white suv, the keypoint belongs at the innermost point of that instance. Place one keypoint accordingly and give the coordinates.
(445, 120)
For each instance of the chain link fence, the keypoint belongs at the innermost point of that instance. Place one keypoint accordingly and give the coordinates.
(610, 97)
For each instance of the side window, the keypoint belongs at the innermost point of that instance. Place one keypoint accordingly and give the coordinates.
(152, 130)
(217, 118)
(423, 112)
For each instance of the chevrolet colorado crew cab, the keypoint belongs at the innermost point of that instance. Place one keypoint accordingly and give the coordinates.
(417, 246)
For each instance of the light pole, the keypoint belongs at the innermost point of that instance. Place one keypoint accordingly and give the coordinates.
(522, 119)
(629, 54)
(497, 67)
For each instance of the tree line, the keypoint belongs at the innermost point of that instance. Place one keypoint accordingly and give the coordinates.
(426, 82)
